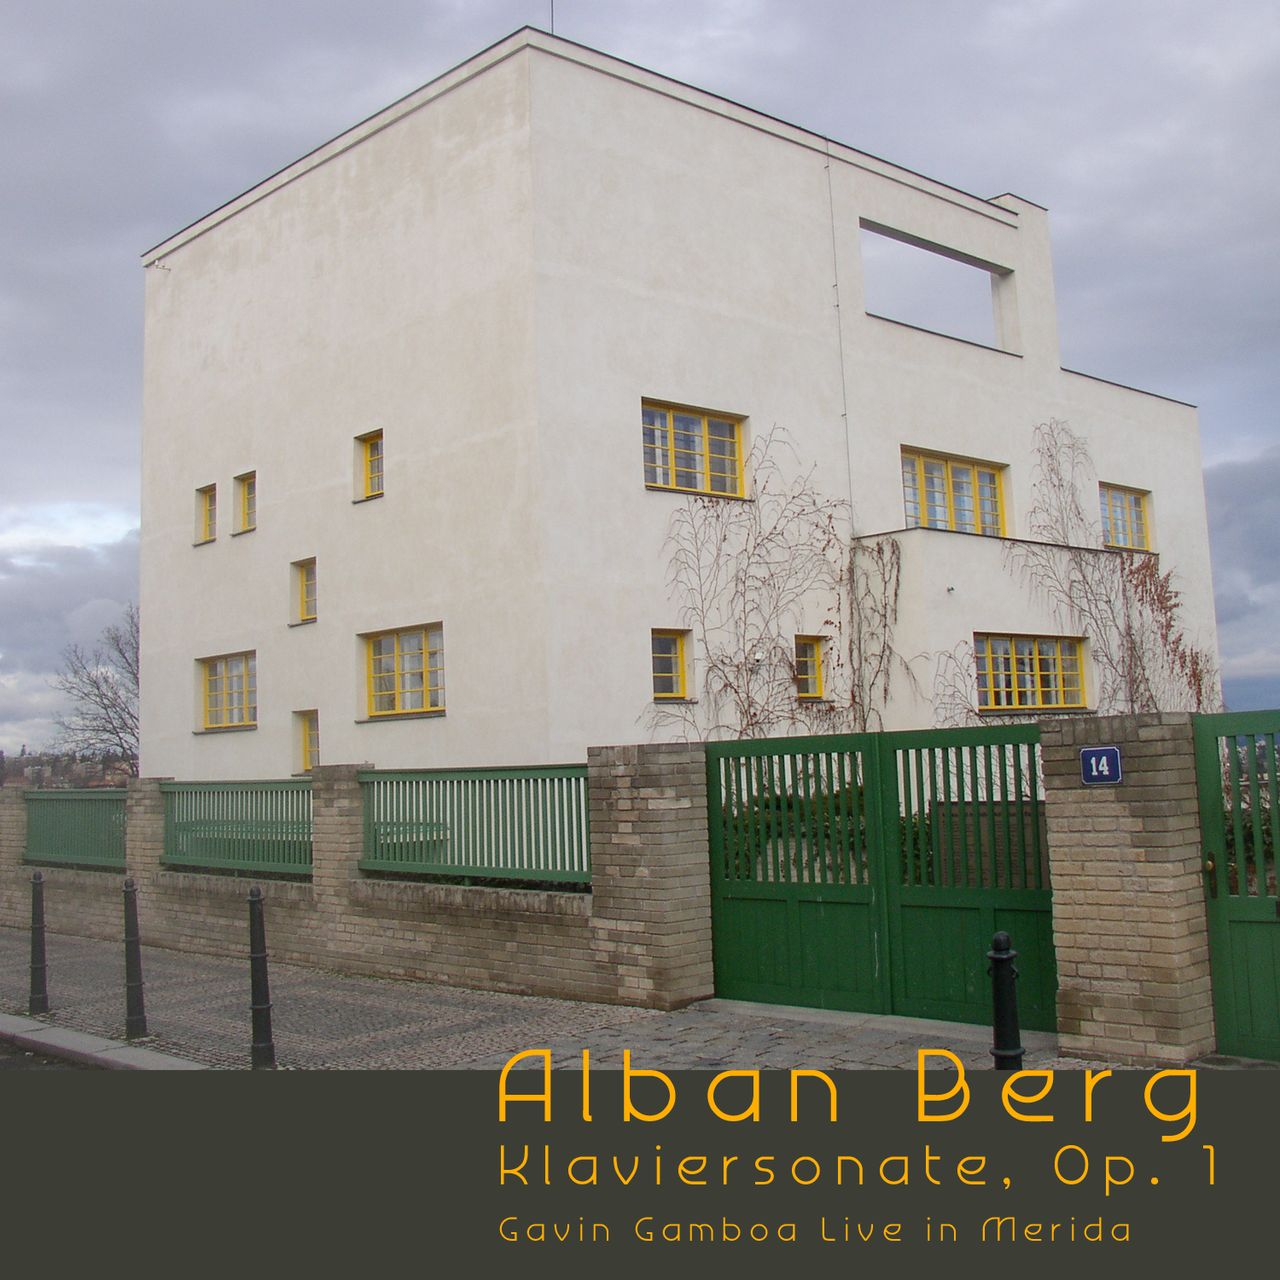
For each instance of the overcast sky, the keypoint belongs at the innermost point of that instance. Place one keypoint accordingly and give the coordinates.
(1147, 127)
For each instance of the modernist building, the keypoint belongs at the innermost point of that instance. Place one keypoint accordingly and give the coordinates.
(424, 409)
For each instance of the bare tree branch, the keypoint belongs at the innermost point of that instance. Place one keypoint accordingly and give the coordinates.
(103, 689)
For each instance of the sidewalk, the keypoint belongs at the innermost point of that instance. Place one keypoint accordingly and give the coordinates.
(198, 1013)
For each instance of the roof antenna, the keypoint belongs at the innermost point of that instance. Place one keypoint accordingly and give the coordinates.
(553, 17)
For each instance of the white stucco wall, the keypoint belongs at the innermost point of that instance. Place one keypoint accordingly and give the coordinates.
(495, 273)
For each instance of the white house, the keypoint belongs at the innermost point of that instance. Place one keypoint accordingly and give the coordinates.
(424, 412)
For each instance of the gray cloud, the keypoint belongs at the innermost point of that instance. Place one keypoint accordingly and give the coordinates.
(52, 597)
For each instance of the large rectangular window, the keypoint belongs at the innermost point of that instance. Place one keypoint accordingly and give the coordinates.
(669, 671)
(692, 451)
(406, 671)
(1124, 517)
(207, 513)
(246, 502)
(1030, 673)
(809, 667)
(939, 492)
(230, 691)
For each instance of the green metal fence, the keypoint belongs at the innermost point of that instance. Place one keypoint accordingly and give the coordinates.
(263, 827)
(870, 871)
(82, 828)
(504, 824)
(1238, 775)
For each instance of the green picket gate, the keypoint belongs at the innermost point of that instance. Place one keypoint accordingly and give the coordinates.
(868, 872)
(1236, 775)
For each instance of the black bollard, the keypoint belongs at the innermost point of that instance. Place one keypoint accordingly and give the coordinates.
(263, 1050)
(39, 1002)
(135, 1013)
(1007, 1043)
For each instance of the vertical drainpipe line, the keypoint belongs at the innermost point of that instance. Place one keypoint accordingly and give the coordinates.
(835, 287)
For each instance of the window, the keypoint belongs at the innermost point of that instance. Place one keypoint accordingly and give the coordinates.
(207, 513)
(304, 581)
(669, 669)
(692, 451)
(369, 465)
(809, 666)
(246, 502)
(406, 671)
(230, 691)
(952, 493)
(1028, 672)
(308, 723)
(1124, 517)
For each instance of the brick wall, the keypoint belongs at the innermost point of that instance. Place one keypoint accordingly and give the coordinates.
(642, 936)
(1128, 896)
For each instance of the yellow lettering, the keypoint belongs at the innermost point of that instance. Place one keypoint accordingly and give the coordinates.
(1188, 1112)
(924, 1097)
(752, 1111)
(1010, 1095)
(544, 1097)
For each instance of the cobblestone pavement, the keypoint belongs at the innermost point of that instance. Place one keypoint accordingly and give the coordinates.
(198, 1008)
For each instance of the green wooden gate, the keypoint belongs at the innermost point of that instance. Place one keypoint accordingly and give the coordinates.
(869, 871)
(1236, 773)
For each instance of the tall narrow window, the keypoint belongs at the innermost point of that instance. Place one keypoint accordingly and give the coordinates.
(230, 691)
(246, 502)
(370, 460)
(405, 670)
(952, 493)
(669, 671)
(1028, 672)
(692, 451)
(308, 725)
(809, 667)
(207, 513)
(304, 583)
(1124, 517)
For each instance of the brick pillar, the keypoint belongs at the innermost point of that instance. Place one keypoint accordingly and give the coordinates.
(650, 880)
(14, 879)
(144, 834)
(337, 833)
(1128, 895)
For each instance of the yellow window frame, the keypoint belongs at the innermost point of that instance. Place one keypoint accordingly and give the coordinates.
(1029, 673)
(662, 458)
(230, 690)
(306, 583)
(372, 464)
(206, 513)
(808, 668)
(395, 678)
(915, 463)
(246, 501)
(1124, 511)
(667, 650)
(309, 739)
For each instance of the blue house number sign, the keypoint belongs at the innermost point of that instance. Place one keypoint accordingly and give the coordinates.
(1100, 766)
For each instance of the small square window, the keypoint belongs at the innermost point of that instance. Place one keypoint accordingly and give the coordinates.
(206, 513)
(1124, 517)
(670, 672)
(369, 465)
(809, 667)
(246, 502)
